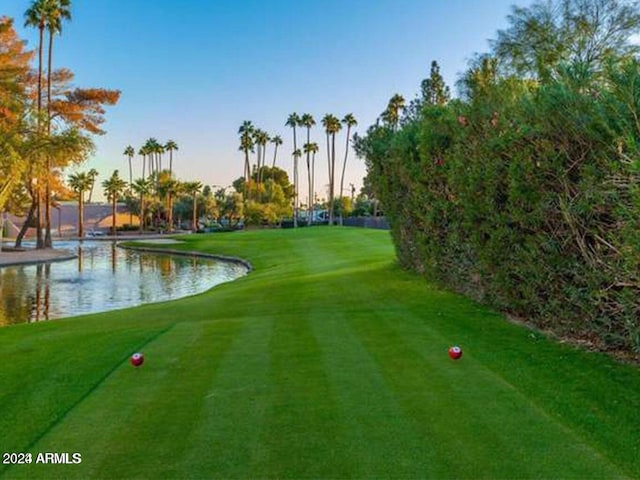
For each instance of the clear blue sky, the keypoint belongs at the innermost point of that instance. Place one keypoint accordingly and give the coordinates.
(193, 70)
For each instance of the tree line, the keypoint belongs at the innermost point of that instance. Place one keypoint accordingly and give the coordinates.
(255, 176)
(153, 195)
(523, 192)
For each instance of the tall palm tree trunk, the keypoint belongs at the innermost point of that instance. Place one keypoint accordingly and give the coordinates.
(247, 173)
(275, 152)
(194, 222)
(295, 180)
(313, 179)
(309, 198)
(257, 164)
(113, 222)
(47, 184)
(332, 177)
(39, 239)
(329, 170)
(141, 213)
(344, 166)
(130, 182)
(80, 214)
(170, 213)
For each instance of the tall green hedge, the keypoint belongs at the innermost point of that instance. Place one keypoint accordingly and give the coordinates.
(524, 195)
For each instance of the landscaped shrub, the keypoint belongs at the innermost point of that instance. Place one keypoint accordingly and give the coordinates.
(524, 195)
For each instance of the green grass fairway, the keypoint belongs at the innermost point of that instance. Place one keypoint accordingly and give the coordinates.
(327, 361)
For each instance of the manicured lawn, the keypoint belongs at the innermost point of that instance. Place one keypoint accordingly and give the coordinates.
(327, 361)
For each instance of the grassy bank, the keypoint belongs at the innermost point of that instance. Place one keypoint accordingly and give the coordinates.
(326, 361)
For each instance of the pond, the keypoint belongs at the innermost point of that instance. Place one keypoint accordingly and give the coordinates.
(104, 277)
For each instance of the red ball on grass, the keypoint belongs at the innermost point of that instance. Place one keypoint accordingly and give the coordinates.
(455, 352)
(137, 359)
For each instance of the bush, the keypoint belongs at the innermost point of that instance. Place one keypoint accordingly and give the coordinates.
(526, 196)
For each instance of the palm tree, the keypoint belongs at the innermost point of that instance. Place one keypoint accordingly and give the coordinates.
(308, 121)
(57, 10)
(80, 183)
(246, 145)
(168, 188)
(193, 188)
(313, 149)
(277, 141)
(296, 157)
(151, 147)
(35, 16)
(261, 138)
(158, 150)
(129, 152)
(392, 114)
(294, 121)
(170, 147)
(350, 121)
(143, 153)
(93, 173)
(142, 186)
(113, 188)
(331, 126)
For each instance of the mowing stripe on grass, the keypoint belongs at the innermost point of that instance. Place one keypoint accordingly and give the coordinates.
(373, 419)
(227, 438)
(303, 435)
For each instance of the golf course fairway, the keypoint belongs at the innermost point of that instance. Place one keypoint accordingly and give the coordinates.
(327, 361)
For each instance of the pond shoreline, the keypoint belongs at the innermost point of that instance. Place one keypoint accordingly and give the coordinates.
(189, 253)
(31, 256)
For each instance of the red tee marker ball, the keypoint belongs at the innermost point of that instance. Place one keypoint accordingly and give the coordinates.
(455, 352)
(136, 359)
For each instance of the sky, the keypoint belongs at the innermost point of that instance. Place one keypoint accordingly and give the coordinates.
(194, 70)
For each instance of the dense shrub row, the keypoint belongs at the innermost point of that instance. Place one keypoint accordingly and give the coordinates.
(524, 194)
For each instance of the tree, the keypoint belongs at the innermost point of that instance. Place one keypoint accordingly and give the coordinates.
(311, 148)
(93, 173)
(57, 10)
(80, 182)
(296, 158)
(391, 116)
(168, 188)
(308, 121)
(260, 138)
(233, 207)
(293, 121)
(246, 145)
(142, 186)
(331, 126)
(193, 188)
(434, 90)
(170, 147)
(545, 36)
(14, 103)
(36, 16)
(114, 187)
(277, 141)
(350, 121)
(129, 152)
(151, 149)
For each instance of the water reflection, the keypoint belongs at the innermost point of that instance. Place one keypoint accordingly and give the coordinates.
(103, 277)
